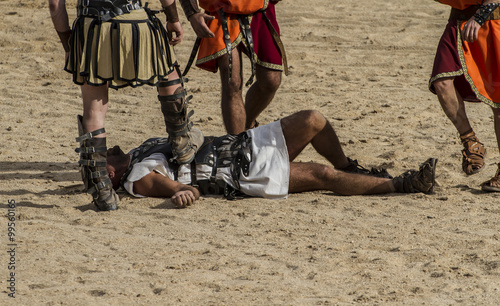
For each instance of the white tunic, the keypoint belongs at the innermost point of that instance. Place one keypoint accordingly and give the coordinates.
(269, 169)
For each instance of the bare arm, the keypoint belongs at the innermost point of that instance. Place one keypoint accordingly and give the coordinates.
(470, 31)
(59, 16)
(173, 24)
(158, 185)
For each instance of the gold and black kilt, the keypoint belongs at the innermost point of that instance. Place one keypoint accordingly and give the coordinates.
(128, 50)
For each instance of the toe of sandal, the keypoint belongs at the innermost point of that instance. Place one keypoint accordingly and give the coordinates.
(493, 185)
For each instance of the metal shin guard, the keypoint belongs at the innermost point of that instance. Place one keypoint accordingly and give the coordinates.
(93, 168)
(183, 137)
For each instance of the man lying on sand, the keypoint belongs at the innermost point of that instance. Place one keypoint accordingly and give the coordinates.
(259, 163)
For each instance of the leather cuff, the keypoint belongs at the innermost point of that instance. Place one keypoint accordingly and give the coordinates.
(484, 12)
(190, 7)
(171, 13)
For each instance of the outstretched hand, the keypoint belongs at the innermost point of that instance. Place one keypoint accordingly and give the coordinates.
(174, 27)
(470, 30)
(199, 24)
(183, 198)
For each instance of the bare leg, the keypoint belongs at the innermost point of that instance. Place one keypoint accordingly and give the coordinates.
(493, 185)
(312, 176)
(310, 126)
(169, 90)
(95, 106)
(496, 121)
(453, 105)
(261, 93)
(233, 109)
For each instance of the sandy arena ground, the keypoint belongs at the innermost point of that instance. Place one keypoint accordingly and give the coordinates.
(365, 65)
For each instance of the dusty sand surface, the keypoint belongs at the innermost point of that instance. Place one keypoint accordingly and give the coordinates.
(365, 66)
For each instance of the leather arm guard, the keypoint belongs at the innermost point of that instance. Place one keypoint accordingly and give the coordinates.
(190, 7)
(171, 13)
(64, 36)
(484, 12)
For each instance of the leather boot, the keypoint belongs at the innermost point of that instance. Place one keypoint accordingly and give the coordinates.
(93, 153)
(183, 137)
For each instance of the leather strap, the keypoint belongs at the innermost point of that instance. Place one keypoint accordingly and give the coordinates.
(172, 82)
(485, 12)
(172, 98)
(90, 135)
(192, 56)
(106, 10)
(244, 21)
(227, 42)
(90, 150)
(467, 13)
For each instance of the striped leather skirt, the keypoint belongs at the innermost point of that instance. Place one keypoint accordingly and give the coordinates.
(129, 50)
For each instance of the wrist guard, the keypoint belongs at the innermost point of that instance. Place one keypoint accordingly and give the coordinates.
(64, 37)
(190, 7)
(484, 12)
(171, 13)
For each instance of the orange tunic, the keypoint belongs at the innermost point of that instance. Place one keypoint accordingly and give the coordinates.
(243, 7)
(480, 60)
(212, 48)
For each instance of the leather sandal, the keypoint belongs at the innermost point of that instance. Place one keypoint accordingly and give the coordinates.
(413, 181)
(493, 185)
(473, 154)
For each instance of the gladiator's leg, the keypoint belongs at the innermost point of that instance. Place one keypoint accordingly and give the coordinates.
(261, 93)
(93, 168)
(474, 152)
(452, 104)
(183, 137)
(232, 106)
(494, 183)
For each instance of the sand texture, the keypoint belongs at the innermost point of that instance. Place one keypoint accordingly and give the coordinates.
(365, 65)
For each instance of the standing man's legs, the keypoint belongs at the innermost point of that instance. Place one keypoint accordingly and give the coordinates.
(496, 121)
(454, 108)
(494, 183)
(233, 108)
(261, 93)
(92, 139)
(453, 105)
(95, 106)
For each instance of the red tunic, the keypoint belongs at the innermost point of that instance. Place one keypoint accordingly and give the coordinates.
(476, 65)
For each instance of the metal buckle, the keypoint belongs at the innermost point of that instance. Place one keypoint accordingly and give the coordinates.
(85, 12)
(98, 174)
(85, 2)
